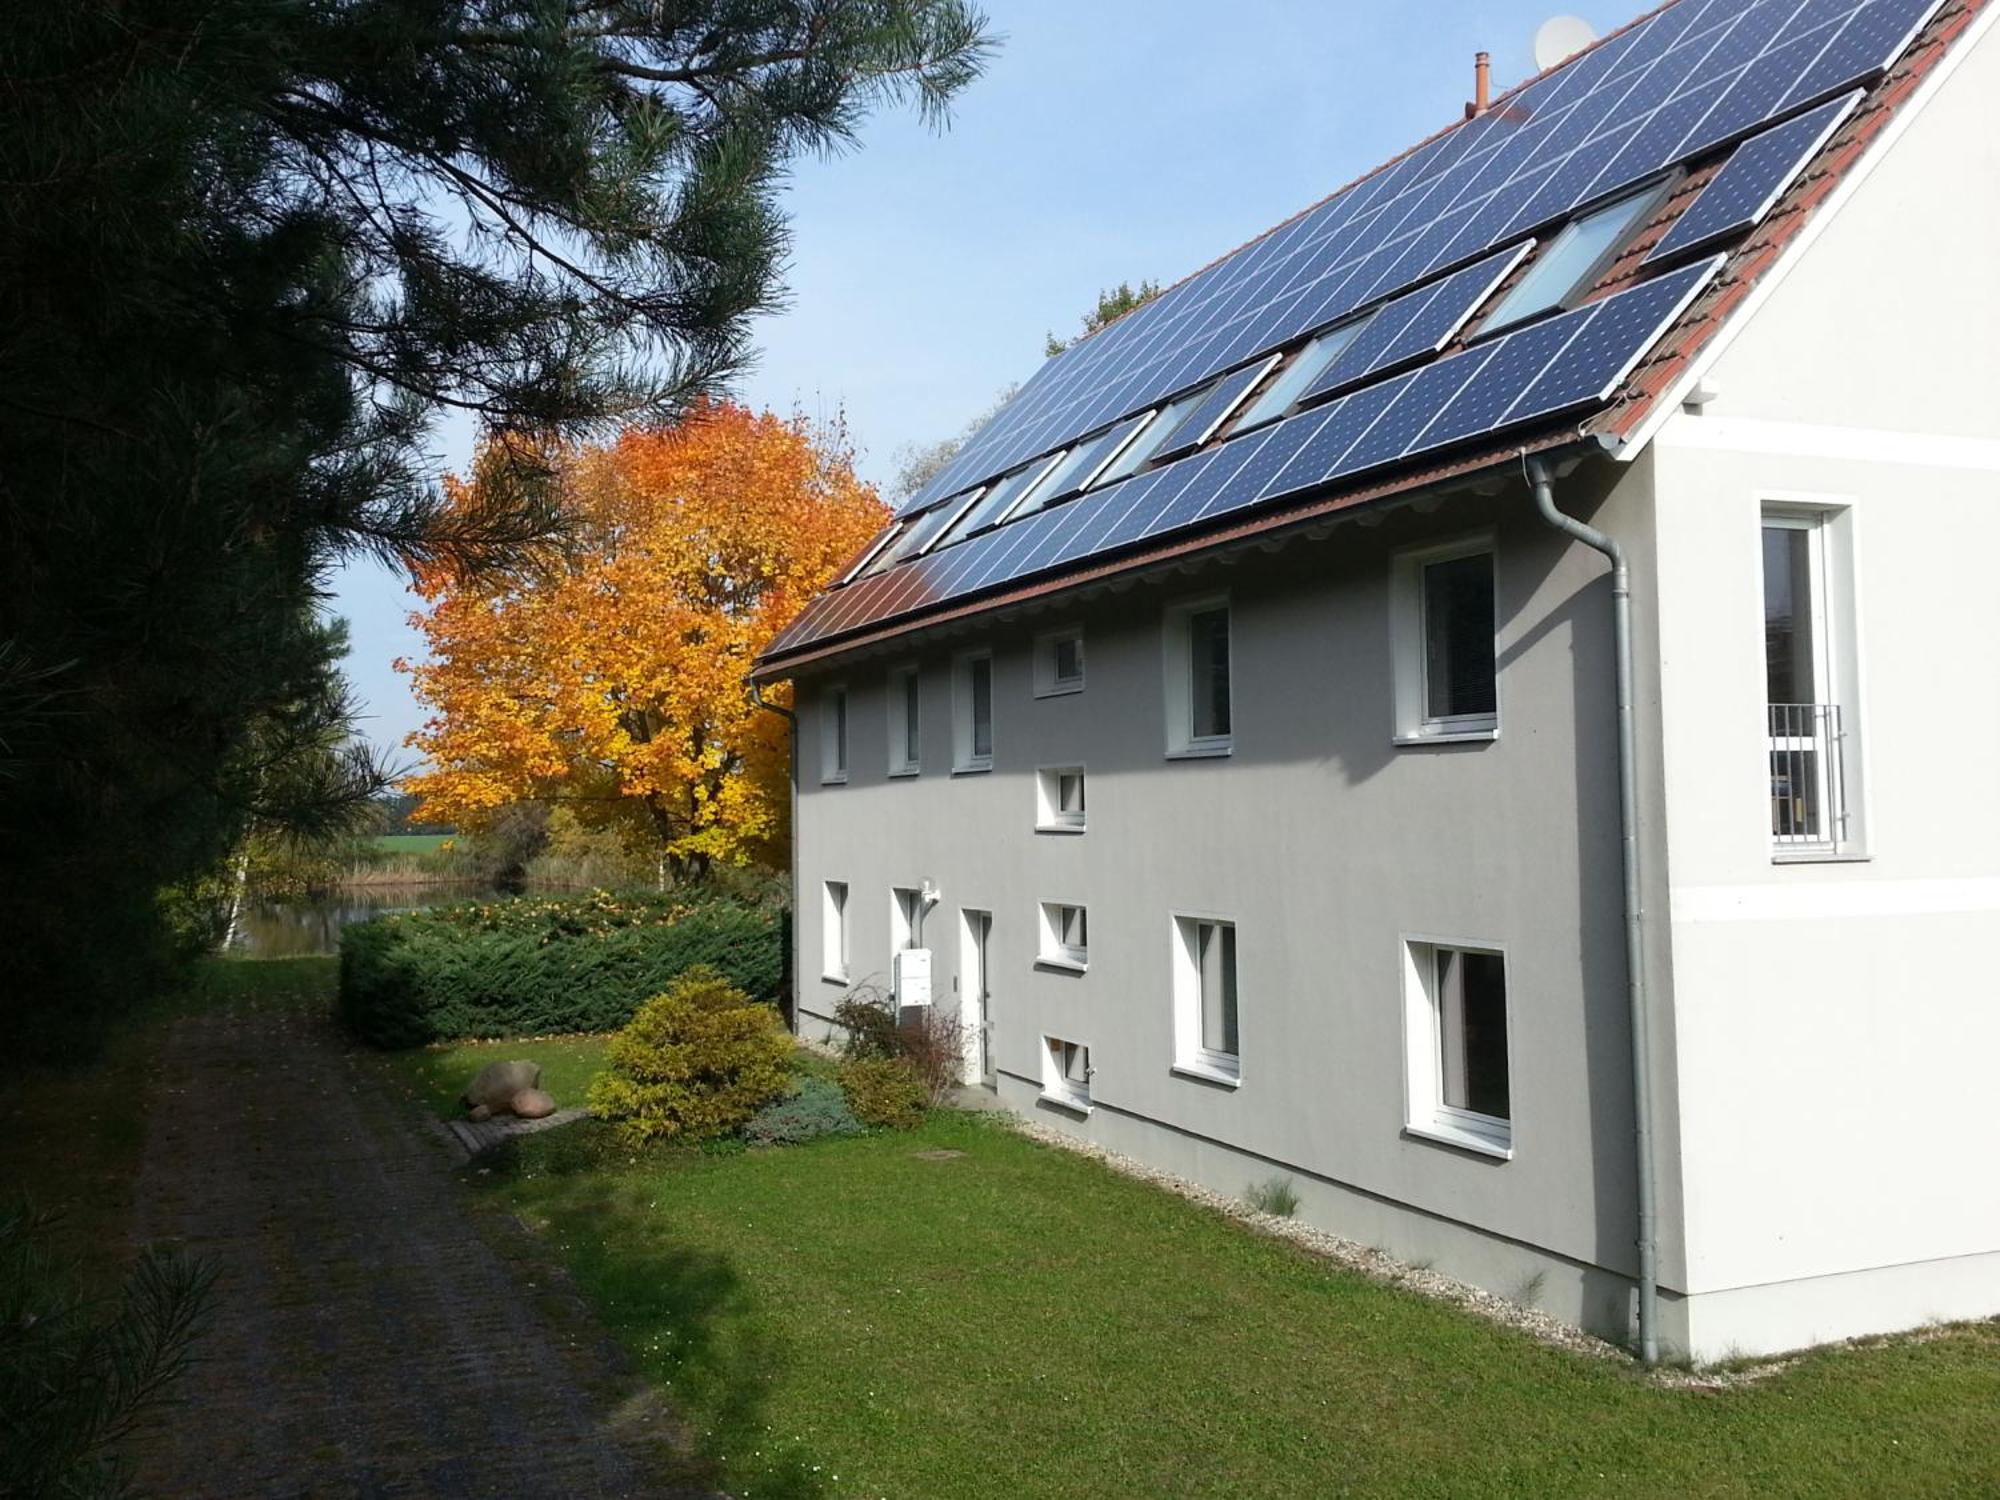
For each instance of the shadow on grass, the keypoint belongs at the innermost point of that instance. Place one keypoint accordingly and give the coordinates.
(686, 1315)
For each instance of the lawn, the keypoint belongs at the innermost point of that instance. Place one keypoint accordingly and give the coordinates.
(411, 843)
(859, 1318)
(438, 1075)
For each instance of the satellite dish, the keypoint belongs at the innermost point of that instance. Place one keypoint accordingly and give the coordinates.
(1560, 37)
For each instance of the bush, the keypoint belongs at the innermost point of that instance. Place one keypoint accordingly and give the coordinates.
(1276, 1196)
(868, 1017)
(532, 966)
(816, 1108)
(932, 1042)
(884, 1091)
(696, 1062)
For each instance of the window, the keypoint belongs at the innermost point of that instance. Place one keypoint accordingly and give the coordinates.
(1198, 706)
(1152, 436)
(1306, 367)
(1205, 1039)
(1065, 936)
(997, 502)
(906, 918)
(833, 734)
(875, 559)
(1059, 799)
(1059, 663)
(1447, 675)
(833, 931)
(905, 721)
(972, 694)
(1573, 261)
(1066, 1073)
(1456, 1018)
(1809, 692)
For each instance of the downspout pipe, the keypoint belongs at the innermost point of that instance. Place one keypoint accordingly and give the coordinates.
(791, 719)
(1635, 965)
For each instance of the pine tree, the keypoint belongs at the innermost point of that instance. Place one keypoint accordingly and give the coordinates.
(248, 254)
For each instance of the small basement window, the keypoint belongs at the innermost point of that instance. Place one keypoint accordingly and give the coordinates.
(1205, 1036)
(905, 721)
(1066, 1073)
(1059, 663)
(1199, 718)
(1446, 661)
(1574, 260)
(1065, 936)
(833, 931)
(833, 734)
(972, 711)
(1059, 799)
(1456, 1023)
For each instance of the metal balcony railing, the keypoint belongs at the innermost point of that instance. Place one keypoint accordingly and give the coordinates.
(1808, 788)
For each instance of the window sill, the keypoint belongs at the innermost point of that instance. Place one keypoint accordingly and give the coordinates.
(840, 780)
(1449, 737)
(1059, 828)
(1078, 1107)
(1466, 1140)
(1203, 1073)
(827, 978)
(900, 771)
(1059, 690)
(1203, 750)
(1057, 961)
(972, 768)
(1818, 857)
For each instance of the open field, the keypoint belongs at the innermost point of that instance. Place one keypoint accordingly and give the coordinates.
(410, 843)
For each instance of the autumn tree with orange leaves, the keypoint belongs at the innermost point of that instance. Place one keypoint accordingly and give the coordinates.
(613, 682)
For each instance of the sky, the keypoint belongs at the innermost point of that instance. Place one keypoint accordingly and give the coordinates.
(1109, 140)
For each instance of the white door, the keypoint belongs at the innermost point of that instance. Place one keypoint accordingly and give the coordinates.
(975, 934)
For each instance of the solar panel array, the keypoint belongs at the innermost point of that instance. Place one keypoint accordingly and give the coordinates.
(1755, 176)
(1688, 79)
(1564, 363)
(1691, 78)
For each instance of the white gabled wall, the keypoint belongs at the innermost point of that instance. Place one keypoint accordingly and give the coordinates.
(1837, 1025)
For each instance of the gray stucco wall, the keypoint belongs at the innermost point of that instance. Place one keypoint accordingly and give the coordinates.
(1326, 843)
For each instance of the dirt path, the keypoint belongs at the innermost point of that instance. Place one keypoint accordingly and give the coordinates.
(366, 1338)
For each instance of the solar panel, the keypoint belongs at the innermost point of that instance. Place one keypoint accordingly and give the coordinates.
(1752, 180)
(1686, 80)
(1418, 325)
(1215, 409)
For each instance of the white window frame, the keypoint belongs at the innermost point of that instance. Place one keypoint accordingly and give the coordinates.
(899, 719)
(1057, 1088)
(1837, 621)
(1408, 631)
(833, 935)
(1426, 1115)
(1182, 742)
(1191, 1058)
(1055, 951)
(1050, 814)
(964, 761)
(836, 733)
(1047, 684)
(905, 917)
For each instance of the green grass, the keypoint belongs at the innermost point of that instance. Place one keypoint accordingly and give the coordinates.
(438, 1075)
(411, 843)
(851, 1319)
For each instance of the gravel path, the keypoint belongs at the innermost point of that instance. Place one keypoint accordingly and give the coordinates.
(367, 1338)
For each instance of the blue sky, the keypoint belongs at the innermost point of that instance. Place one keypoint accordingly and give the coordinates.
(1109, 140)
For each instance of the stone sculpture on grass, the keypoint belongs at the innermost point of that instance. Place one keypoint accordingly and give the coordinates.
(508, 1088)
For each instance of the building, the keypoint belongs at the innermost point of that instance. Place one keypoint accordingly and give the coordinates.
(1256, 727)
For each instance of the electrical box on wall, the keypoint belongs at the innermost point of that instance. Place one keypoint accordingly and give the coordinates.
(911, 975)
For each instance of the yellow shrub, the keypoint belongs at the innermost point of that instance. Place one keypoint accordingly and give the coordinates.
(696, 1062)
(884, 1091)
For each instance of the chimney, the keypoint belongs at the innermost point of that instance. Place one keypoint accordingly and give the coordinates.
(1482, 86)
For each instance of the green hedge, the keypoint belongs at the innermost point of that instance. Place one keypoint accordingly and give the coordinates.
(531, 966)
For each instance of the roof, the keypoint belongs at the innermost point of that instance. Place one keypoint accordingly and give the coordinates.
(1676, 310)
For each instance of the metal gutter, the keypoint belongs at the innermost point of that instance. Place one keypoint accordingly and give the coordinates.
(1635, 966)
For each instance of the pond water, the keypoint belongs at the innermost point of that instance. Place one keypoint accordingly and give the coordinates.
(311, 925)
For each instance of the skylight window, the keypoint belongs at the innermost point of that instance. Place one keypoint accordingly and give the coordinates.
(1574, 261)
(1152, 436)
(998, 501)
(1304, 369)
